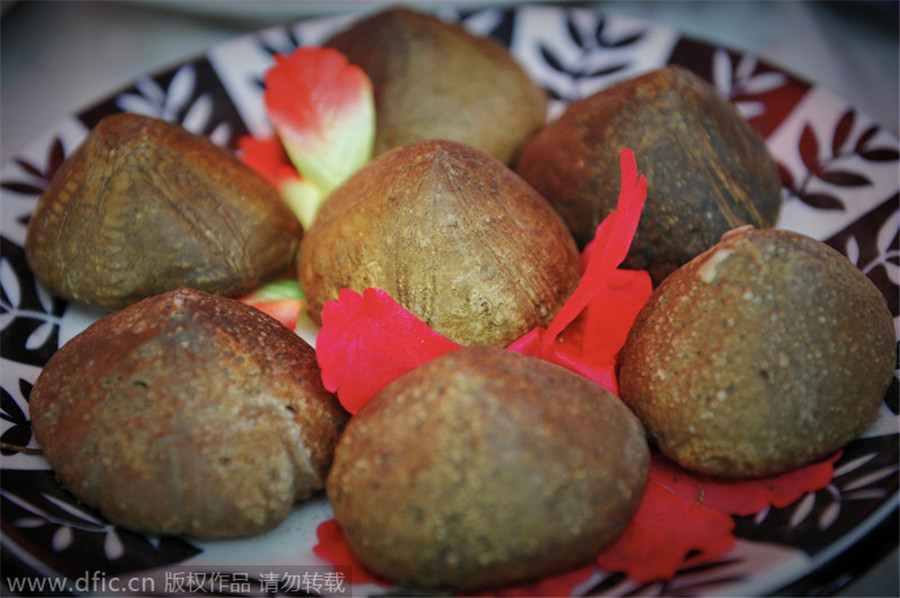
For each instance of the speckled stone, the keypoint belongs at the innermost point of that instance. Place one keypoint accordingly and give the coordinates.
(486, 468)
(187, 413)
(707, 169)
(768, 351)
(452, 234)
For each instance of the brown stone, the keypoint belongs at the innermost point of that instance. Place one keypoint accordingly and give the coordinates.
(485, 468)
(187, 413)
(436, 80)
(707, 169)
(767, 352)
(450, 233)
(144, 206)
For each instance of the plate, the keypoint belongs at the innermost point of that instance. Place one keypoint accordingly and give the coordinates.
(840, 171)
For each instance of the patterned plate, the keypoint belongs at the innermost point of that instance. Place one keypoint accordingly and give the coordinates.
(840, 174)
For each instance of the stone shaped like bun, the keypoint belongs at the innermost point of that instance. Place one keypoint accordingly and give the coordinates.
(144, 206)
(708, 170)
(452, 234)
(485, 468)
(435, 80)
(187, 413)
(765, 353)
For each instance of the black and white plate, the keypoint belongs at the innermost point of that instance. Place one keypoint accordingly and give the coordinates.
(840, 172)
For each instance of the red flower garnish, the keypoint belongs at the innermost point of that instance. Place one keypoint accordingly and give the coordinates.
(323, 110)
(743, 497)
(608, 251)
(683, 512)
(664, 531)
(368, 340)
(591, 327)
(268, 157)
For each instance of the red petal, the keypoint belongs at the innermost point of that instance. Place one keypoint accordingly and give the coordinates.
(589, 345)
(323, 110)
(743, 497)
(308, 90)
(610, 246)
(682, 512)
(333, 548)
(592, 342)
(608, 318)
(663, 532)
(369, 340)
(266, 156)
(590, 329)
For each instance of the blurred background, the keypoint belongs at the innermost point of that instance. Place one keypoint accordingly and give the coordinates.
(57, 57)
(60, 56)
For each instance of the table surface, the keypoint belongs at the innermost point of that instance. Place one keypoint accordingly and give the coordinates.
(59, 57)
